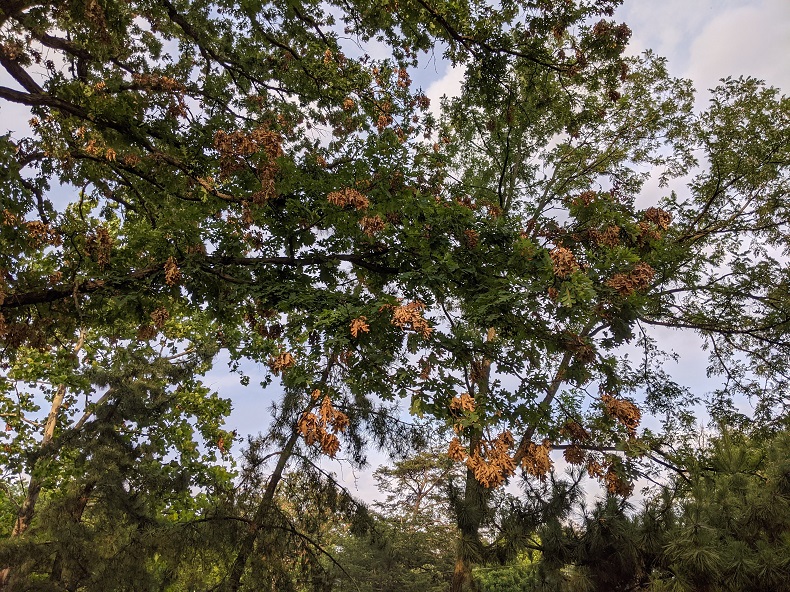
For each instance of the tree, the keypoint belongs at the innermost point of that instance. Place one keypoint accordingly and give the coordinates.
(575, 268)
(251, 181)
(719, 524)
(407, 546)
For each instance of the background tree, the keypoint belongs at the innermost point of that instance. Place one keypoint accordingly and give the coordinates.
(408, 544)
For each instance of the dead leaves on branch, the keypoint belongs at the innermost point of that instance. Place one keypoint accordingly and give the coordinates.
(348, 197)
(536, 461)
(281, 362)
(406, 316)
(257, 149)
(159, 317)
(372, 225)
(638, 279)
(172, 272)
(563, 262)
(661, 218)
(608, 237)
(623, 411)
(359, 325)
(574, 454)
(609, 473)
(409, 316)
(492, 463)
(464, 403)
(322, 428)
(99, 246)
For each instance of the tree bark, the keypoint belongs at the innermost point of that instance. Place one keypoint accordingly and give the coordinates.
(470, 519)
(475, 504)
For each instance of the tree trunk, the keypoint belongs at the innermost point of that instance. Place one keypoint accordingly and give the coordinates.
(247, 545)
(27, 509)
(475, 504)
(469, 520)
(232, 581)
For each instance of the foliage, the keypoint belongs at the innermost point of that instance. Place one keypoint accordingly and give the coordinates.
(244, 178)
(408, 545)
(519, 575)
(721, 524)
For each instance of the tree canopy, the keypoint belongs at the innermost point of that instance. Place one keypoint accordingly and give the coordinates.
(265, 181)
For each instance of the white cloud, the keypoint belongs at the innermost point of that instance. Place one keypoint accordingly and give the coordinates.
(448, 85)
(751, 40)
(709, 40)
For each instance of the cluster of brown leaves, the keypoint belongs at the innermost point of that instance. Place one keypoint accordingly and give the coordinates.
(425, 369)
(423, 102)
(34, 333)
(348, 197)
(322, 428)
(579, 346)
(172, 272)
(409, 316)
(158, 82)
(13, 49)
(456, 451)
(236, 148)
(606, 472)
(40, 233)
(586, 198)
(94, 13)
(146, 332)
(359, 325)
(404, 80)
(372, 224)
(574, 430)
(257, 318)
(638, 278)
(384, 120)
(165, 84)
(130, 159)
(608, 237)
(491, 461)
(463, 403)
(661, 218)
(159, 317)
(563, 262)
(281, 362)
(623, 411)
(536, 461)
(99, 244)
(647, 232)
(575, 454)
(471, 238)
(615, 484)
(94, 148)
